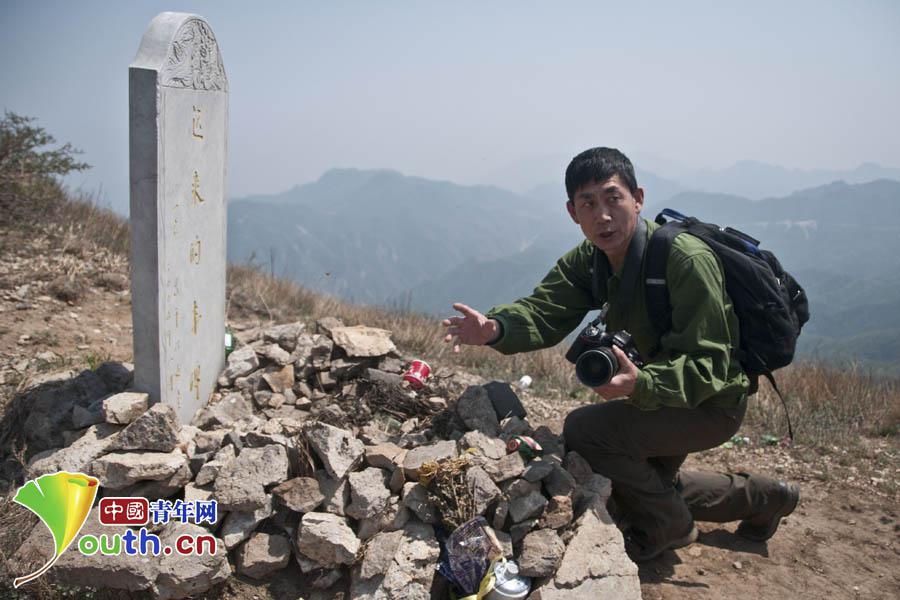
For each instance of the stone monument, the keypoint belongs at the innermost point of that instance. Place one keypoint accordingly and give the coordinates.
(178, 124)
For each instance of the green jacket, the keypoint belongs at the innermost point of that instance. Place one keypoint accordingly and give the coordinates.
(693, 363)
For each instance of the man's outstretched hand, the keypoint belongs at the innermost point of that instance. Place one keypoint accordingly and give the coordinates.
(473, 328)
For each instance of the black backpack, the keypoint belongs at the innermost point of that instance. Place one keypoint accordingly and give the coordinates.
(769, 303)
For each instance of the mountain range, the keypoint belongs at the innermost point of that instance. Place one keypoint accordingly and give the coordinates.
(379, 237)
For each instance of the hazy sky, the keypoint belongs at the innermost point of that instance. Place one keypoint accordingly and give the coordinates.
(459, 90)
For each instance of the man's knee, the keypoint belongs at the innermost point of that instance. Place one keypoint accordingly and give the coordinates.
(573, 430)
(591, 425)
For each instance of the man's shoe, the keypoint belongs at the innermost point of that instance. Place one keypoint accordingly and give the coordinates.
(761, 528)
(639, 552)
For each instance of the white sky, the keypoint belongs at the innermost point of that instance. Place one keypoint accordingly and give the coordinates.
(460, 90)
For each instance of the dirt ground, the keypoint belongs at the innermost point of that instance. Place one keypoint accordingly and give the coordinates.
(843, 541)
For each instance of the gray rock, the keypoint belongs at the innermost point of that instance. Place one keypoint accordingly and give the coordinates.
(224, 413)
(263, 554)
(484, 490)
(476, 411)
(511, 465)
(300, 494)
(436, 452)
(279, 379)
(415, 498)
(241, 363)
(240, 485)
(209, 441)
(118, 470)
(380, 553)
(285, 335)
(558, 513)
(597, 550)
(363, 341)
(275, 353)
(385, 456)
(339, 449)
(527, 507)
(326, 325)
(336, 492)
(327, 539)
(518, 488)
(621, 588)
(239, 525)
(393, 517)
(537, 470)
(77, 457)
(518, 531)
(487, 447)
(500, 515)
(327, 579)
(559, 482)
(210, 470)
(156, 429)
(514, 426)
(578, 467)
(383, 376)
(368, 493)
(123, 408)
(410, 573)
(542, 551)
(180, 578)
(85, 417)
(162, 488)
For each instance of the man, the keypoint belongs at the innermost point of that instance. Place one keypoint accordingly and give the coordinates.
(690, 395)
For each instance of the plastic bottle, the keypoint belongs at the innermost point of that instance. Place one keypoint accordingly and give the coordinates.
(509, 584)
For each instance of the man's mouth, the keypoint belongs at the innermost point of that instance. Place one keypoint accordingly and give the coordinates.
(605, 235)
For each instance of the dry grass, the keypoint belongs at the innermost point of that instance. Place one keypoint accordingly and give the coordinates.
(829, 406)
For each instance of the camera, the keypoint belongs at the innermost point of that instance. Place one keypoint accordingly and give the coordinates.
(595, 362)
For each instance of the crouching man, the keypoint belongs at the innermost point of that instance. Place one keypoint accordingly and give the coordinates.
(689, 395)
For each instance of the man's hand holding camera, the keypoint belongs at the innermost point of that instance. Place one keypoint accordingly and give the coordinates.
(622, 383)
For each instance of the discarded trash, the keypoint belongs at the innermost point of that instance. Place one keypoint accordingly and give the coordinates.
(770, 440)
(524, 445)
(524, 382)
(417, 374)
(229, 341)
(468, 554)
(508, 583)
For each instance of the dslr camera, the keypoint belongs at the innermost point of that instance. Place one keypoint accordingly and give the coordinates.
(595, 363)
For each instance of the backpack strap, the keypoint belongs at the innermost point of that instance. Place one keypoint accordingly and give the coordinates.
(659, 309)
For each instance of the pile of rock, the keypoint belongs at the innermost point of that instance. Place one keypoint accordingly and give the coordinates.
(309, 459)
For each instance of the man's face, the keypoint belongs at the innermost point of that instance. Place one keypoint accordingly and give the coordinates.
(607, 213)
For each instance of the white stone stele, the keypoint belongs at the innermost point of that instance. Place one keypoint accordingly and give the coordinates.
(178, 119)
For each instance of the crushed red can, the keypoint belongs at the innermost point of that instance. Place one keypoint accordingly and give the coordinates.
(524, 445)
(417, 373)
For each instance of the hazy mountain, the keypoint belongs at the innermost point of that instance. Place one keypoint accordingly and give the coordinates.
(756, 180)
(367, 235)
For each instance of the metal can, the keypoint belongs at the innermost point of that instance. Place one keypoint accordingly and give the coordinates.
(524, 445)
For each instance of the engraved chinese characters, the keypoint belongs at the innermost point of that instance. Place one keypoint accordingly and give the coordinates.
(178, 101)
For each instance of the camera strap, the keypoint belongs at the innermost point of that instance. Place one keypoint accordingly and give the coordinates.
(631, 270)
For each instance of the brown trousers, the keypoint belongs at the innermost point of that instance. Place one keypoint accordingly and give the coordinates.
(641, 452)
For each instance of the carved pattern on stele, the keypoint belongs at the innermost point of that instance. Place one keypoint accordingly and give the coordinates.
(194, 60)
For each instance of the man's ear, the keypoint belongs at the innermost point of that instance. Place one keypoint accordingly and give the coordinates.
(639, 198)
(570, 206)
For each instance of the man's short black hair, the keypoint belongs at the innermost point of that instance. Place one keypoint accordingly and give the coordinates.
(599, 164)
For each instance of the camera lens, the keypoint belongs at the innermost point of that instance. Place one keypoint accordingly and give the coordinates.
(596, 367)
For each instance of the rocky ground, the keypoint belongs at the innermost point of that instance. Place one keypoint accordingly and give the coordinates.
(67, 311)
